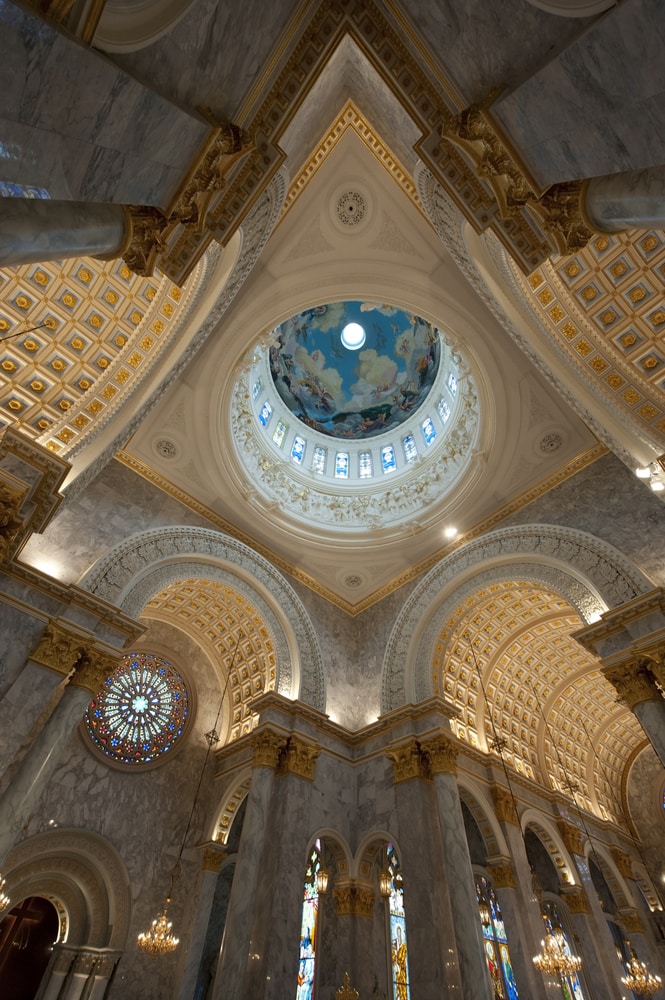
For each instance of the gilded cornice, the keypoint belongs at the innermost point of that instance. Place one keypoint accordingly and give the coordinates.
(346, 991)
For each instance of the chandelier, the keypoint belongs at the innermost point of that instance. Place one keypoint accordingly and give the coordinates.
(158, 940)
(553, 958)
(639, 979)
(4, 898)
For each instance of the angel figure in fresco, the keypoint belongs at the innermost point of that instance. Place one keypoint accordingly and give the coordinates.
(399, 965)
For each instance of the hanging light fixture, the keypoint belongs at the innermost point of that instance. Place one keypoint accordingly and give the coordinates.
(159, 940)
(4, 898)
(639, 979)
(322, 879)
(553, 959)
(385, 882)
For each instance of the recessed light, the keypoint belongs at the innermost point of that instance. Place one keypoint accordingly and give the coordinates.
(353, 336)
(450, 532)
(643, 473)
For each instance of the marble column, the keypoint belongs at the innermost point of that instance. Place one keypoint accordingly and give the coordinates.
(356, 909)
(29, 773)
(272, 972)
(211, 863)
(636, 686)
(434, 966)
(600, 965)
(441, 754)
(529, 919)
(237, 948)
(32, 230)
(633, 200)
(502, 876)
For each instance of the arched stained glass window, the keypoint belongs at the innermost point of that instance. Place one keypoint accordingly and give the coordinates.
(309, 926)
(398, 946)
(141, 710)
(496, 943)
(571, 985)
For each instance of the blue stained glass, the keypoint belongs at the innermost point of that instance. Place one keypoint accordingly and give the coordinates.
(265, 413)
(497, 954)
(410, 450)
(452, 384)
(388, 462)
(429, 431)
(309, 928)
(280, 431)
(341, 465)
(398, 945)
(444, 410)
(256, 388)
(298, 449)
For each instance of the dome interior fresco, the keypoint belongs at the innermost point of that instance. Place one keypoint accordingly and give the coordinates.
(604, 307)
(354, 393)
(218, 615)
(509, 646)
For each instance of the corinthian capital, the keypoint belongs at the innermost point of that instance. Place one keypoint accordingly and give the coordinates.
(633, 682)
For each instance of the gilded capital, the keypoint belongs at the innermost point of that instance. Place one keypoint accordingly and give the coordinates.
(633, 682)
(213, 859)
(441, 753)
(354, 900)
(631, 921)
(572, 837)
(267, 747)
(502, 875)
(623, 861)
(60, 649)
(504, 805)
(407, 761)
(576, 899)
(145, 238)
(10, 520)
(92, 669)
(300, 758)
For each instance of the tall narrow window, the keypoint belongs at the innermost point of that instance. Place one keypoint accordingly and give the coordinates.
(398, 947)
(308, 926)
(496, 942)
(571, 985)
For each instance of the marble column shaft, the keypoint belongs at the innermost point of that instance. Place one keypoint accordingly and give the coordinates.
(36, 768)
(633, 200)
(197, 933)
(237, 946)
(596, 942)
(475, 976)
(651, 716)
(22, 711)
(33, 230)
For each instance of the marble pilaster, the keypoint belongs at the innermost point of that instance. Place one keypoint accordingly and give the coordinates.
(33, 230)
(632, 200)
(508, 892)
(636, 686)
(238, 946)
(211, 862)
(475, 980)
(595, 945)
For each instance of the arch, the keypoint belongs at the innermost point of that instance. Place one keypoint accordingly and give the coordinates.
(551, 839)
(482, 811)
(85, 875)
(588, 572)
(144, 564)
(231, 802)
(615, 881)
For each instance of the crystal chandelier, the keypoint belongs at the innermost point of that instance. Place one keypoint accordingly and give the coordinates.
(553, 959)
(159, 940)
(639, 979)
(4, 898)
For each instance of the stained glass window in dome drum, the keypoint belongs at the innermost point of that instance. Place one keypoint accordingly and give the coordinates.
(140, 712)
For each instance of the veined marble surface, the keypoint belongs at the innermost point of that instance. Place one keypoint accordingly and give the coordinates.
(82, 129)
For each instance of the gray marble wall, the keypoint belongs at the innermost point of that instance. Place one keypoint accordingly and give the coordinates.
(78, 127)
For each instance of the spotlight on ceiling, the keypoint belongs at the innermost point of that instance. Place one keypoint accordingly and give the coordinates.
(450, 532)
(644, 473)
(353, 336)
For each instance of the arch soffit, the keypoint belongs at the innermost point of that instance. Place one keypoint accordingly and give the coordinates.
(551, 839)
(617, 884)
(231, 802)
(143, 565)
(86, 873)
(336, 846)
(588, 572)
(482, 811)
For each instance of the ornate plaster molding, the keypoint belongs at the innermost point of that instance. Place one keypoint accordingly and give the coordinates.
(633, 681)
(502, 875)
(299, 758)
(267, 748)
(354, 900)
(504, 805)
(143, 565)
(441, 754)
(585, 570)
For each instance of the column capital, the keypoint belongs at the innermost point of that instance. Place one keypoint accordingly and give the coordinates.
(631, 920)
(267, 747)
(214, 856)
(502, 875)
(92, 670)
(441, 753)
(576, 899)
(407, 761)
(623, 861)
(354, 899)
(572, 836)
(299, 758)
(63, 649)
(504, 805)
(633, 681)
(11, 502)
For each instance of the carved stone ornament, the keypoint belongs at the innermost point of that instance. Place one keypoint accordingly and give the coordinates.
(213, 859)
(299, 758)
(267, 747)
(631, 920)
(10, 521)
(59, 649)
(145, 241)
(633, 682)
(576, 900)
(85, 962)
(441, 754)
(502, 875)
(92, 668)
(408, 762)
(504, 805)
(623, 861)
(572, 837)
(354, 900)
(346, 991)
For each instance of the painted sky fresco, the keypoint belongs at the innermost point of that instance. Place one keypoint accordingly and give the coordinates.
(354, 394)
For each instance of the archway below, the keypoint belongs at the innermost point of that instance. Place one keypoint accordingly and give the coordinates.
(27, 935)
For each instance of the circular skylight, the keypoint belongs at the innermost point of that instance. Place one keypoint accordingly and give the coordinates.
(354, 370)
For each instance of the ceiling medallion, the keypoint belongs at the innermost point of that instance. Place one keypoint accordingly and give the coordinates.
(550, 442)
(166, 449)
(351, 208)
